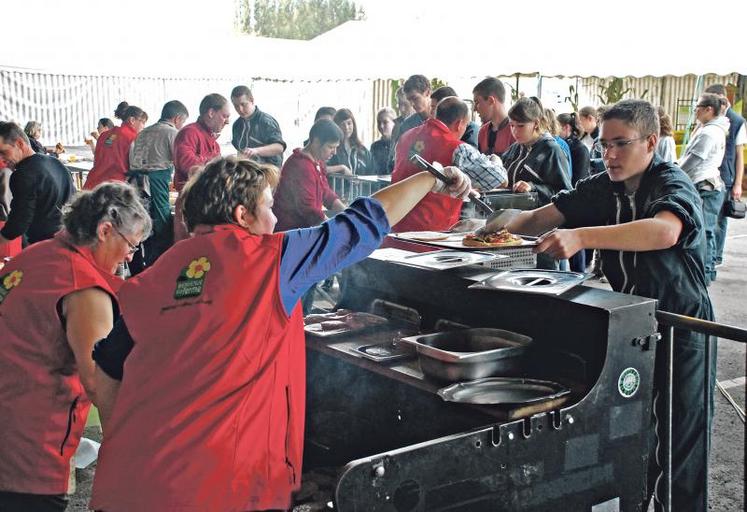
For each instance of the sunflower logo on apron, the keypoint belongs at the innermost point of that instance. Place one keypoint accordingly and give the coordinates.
(192, 278)
(8, 282)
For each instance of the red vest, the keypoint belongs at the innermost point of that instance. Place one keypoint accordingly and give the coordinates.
(434, 142)
(43, 406)
(112, 158)
(12, 248)
(503, 139)
(210, 412)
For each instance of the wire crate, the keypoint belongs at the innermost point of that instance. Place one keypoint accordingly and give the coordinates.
(518, 257)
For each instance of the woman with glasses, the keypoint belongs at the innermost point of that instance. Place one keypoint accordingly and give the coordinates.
(57, 298)
(535, 162)
(352, 157)
(111, 159)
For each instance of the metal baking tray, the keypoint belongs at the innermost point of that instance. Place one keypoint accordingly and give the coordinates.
(470, 353)
(504, 391)
(551, 282)
(454, 241)
(448, 258)
(386, 352)
(309, 329)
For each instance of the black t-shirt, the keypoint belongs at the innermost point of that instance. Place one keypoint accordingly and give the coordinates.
(674, 276)
(40, 185)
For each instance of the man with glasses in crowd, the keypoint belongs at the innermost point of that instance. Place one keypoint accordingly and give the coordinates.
(644, 215)
(732, 167)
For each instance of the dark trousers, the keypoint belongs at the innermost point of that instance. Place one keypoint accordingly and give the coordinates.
(154, 190)
(578, 261)
(21, 502)
(691, 423)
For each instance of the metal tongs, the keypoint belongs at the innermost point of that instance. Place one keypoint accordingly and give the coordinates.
(431, 168)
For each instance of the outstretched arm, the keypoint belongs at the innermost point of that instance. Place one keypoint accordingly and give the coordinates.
(660, 232)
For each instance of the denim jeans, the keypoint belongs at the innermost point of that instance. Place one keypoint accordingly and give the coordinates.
(721, 226)
(712, 200)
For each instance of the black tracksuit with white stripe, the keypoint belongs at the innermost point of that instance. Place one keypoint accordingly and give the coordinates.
(676, 278)
(543, 164)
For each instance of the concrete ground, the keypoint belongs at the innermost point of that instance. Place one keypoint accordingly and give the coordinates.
(729, 296)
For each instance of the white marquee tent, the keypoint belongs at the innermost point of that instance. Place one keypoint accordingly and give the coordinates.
(79, 59)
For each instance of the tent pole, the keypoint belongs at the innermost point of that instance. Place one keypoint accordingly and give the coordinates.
(691, 116)
(539, 87)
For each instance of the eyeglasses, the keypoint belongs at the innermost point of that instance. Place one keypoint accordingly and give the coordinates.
(133, 247)
(604, 145)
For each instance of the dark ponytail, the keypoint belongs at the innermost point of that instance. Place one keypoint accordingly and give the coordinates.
(572, 121)
(119, 112)
(133, 111)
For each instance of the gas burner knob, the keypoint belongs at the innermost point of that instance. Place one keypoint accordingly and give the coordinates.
(510, 436)
(379, 471)
(570, 420)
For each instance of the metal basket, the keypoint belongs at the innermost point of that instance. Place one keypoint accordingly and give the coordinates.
(518, 257)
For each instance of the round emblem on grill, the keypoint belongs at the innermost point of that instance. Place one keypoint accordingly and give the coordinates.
(628, 382)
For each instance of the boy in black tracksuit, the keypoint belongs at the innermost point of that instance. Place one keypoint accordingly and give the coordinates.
(646, 218)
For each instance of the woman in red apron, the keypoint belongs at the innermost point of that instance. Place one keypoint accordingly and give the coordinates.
(56, 299)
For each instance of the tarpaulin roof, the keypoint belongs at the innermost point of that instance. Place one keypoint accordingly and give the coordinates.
(471, 38)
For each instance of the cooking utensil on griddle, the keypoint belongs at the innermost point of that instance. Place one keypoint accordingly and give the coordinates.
(438, 173)
(498, 220)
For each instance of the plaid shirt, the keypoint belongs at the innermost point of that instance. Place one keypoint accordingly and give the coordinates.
(484, 173)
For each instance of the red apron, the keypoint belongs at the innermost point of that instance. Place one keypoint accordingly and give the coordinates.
(434, 142)
(210, 412)
(111, 161)
(43, 406)
(12, 248)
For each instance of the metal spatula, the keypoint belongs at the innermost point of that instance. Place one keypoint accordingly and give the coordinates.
(498, 220)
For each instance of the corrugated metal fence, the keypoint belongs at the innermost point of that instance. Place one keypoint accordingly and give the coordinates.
(69, 106)
(662, 91)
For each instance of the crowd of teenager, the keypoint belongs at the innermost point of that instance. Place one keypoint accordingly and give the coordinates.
(201, 412)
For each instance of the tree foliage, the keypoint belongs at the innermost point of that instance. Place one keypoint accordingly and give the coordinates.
(297, 19)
